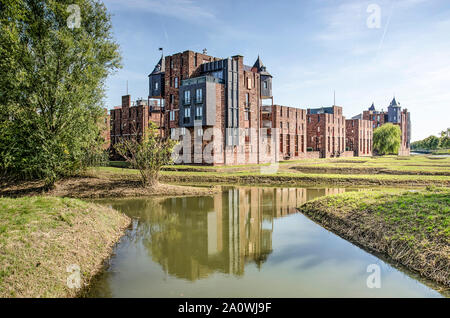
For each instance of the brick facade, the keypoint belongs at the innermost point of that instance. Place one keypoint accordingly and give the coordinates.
(359, 135)
(326, 131)
(291, 125)
(214, 107)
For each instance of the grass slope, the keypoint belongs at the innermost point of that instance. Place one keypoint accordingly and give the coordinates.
(412, 228)
(41, 236)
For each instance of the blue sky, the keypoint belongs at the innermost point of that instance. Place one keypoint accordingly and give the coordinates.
(310, 47)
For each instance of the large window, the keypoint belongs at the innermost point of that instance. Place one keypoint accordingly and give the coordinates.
(172, 115)
(199, 95)
(176, 82)
(187, 97)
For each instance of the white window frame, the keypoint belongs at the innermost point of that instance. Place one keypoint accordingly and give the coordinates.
(199, 111)
(187, 97)
(199, 95)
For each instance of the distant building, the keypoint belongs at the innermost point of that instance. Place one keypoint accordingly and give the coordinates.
(359, 135)
(326, 131)
(394, 115)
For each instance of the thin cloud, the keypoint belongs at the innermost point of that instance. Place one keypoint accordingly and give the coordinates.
(180, 9)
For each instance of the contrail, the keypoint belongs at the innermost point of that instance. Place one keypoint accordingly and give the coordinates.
(385, 29)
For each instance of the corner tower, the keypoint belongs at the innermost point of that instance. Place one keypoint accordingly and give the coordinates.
(156, 80)
(266, 79)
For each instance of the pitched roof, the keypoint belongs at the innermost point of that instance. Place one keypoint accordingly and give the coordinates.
(160, 67)
(372, 107)
(260, 67)
(258, 64)
(394, 103)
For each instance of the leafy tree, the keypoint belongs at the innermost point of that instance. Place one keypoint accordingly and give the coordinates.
(431, 142)
(147, 154)
(52, 85)
(387, 139)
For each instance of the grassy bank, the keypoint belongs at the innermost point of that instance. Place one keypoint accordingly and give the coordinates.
(102, 183)
(412, 228)
(41, 236)
(361, 171)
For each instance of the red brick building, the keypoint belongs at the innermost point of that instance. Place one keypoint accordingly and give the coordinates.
(396, 116)
(131, 119)
(290, 124)
(215, 108)
(212, 106)
(359, 135)
(326, 131)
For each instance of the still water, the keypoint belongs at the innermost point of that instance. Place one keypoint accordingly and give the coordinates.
(243, 242)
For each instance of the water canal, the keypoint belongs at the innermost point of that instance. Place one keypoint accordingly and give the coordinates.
(243, 242)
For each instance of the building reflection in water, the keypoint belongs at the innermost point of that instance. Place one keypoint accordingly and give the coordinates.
(193, 237)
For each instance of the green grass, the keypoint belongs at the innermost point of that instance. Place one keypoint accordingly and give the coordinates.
(283, 176)
(412, 227)
(389, 164)
(41, 236)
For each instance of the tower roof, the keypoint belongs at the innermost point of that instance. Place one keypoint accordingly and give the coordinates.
(160, 67)
(394, 103)
(372, 107)
(260, 68)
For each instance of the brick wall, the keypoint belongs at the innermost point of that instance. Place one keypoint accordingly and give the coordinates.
(326, 132)
(359, 134)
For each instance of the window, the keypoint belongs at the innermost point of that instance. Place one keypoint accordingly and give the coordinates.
(176, 82)
(187, 97)
(247, 114)
(171, 63)
(182, 131)
(200, 132)
(172, 133)
(187, 112)
(281, 124)
(156, 86)
(172, 115)
(199, 112)
(249, 83)
(265, 85)
(172, 99)
(247, 99)
(199, 95)
(287, 124)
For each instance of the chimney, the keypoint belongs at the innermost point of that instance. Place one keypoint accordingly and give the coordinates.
(126, 101)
